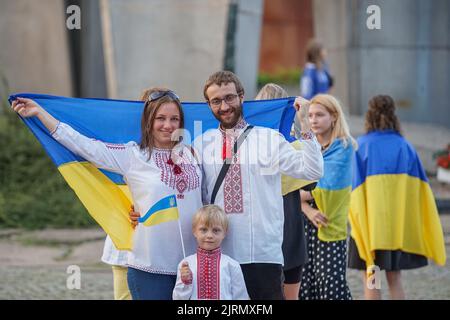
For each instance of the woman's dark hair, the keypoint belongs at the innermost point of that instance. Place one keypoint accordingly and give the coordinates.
(381, 114)
(314, 52)
(149, 114)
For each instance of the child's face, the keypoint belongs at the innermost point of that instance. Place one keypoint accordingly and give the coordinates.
(209, 238)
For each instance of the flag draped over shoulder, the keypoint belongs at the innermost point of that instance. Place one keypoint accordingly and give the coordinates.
(289, 184)
(332, 193)
(392, 205)
(104, 193)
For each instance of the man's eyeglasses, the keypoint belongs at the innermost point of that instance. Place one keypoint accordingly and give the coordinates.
(159, 94)
(229, 99)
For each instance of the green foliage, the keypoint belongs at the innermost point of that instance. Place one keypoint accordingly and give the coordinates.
(281, 77)
(33, 193)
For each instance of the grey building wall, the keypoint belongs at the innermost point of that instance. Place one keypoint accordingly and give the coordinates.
(247, 43)
(124, 47)
(92, 64)
(408, 58)
(332, 27)
(176, 44)
(34, 55)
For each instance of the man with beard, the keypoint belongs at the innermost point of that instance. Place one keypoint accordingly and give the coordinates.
(250, 190)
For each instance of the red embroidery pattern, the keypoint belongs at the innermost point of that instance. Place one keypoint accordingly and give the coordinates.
(208, 274)
(185, 180)
(118, 146)
(115, 146)
(232, 188)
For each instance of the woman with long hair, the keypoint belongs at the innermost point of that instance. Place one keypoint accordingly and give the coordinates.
(394, 221)
(326, 207)
(154, 168)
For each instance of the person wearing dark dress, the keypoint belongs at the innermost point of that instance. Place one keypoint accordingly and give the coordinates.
(394, 221)
(326, 207)
(294, 242)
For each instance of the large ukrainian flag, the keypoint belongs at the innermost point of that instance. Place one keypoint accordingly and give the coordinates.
(392, 205)
(104, 193)
(332, 193)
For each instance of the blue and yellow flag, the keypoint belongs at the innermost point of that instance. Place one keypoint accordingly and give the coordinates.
(392, 205)
(164, 210)
(104, 193)
(289, 184)
(332, 193)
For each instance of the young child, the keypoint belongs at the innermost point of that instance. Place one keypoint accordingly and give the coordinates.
(209, 274)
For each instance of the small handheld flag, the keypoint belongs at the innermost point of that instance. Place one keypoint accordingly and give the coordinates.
(164, 210)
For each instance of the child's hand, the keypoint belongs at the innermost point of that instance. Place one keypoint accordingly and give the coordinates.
(134, 217)
(186, 273)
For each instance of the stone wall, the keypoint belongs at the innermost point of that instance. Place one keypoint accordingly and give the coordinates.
(408, 58)
(34, 55)
(176, 44)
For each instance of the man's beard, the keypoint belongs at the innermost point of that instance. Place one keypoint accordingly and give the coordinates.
(237, 114)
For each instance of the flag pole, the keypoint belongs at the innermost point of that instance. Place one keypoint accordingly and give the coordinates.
(181, 237)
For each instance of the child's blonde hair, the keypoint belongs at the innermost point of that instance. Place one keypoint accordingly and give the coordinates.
(210, 215)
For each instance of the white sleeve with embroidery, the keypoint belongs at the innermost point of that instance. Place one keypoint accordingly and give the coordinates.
(112, 157)
(238, 288)
(301, 164)
(182, 291)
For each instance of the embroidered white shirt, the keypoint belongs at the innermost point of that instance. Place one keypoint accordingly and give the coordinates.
(157, 249)
(255, 235)
(225, 280)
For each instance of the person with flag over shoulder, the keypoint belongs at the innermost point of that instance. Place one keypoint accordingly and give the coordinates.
(164, 180)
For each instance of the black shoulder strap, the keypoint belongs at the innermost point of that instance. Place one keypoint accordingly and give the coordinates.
(227, 163)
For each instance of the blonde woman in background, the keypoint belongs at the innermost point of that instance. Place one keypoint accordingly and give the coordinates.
(327, 206)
